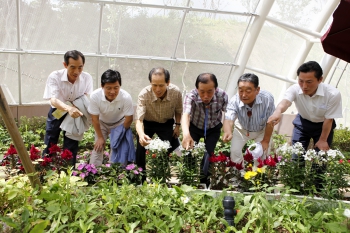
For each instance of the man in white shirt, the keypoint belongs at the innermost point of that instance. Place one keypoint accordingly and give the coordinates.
(110, 106)
(317, 104)
(62, 88)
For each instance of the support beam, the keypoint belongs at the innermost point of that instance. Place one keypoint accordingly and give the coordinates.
(17, 140)
(249, 45)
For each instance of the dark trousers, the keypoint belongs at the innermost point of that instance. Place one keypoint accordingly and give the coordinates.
(210, 141)
(53, 131)
(303, 131)
(164, 132)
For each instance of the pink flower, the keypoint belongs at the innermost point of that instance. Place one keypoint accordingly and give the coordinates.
(81, 166)
(136, 172)
(130, 167)
(108, 165)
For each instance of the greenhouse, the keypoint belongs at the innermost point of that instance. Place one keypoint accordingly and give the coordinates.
(163, 164)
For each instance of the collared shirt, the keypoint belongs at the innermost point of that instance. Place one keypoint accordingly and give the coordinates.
(58, 86)
(262, 109)
(151, 108)
(326, 103)
(194, 106)
(110, 112)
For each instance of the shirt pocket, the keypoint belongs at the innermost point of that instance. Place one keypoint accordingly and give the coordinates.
(320, 111)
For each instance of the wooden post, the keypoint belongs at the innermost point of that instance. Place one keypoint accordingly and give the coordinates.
(17, 140)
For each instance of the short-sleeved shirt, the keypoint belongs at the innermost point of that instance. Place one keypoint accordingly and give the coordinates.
(151, 108)
(110, 112)
(194, 106)
(58, 86)
(326, 103)
(262, 109)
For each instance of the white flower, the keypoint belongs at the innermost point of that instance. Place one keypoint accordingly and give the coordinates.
(185, 199)
(310, 154)
(158, 145)
(347, 213)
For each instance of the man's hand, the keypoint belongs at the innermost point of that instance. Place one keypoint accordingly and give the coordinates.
(74, 112)
(144, 140)
(176, 132)
(99, 145)
(322, 145)
(274, 119)
(187, 142)
(226, 137)
(265, 145)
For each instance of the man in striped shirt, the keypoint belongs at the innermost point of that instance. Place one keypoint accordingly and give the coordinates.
(249, 110)
(202, 114)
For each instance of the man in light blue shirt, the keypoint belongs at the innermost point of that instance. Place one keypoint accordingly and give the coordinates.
(252, 107)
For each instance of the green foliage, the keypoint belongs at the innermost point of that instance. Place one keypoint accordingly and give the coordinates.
(341, 140)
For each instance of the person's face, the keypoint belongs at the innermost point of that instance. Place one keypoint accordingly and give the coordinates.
(74, 68)
(159, 86)
(308, 83)
(111, 90)
(247, 92)
(206, 91)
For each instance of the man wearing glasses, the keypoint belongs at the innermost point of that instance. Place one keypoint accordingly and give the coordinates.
(249, 111)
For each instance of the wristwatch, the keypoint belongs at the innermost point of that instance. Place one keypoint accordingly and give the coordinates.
(177, 123)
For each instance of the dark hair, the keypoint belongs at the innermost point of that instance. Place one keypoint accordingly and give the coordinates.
(158, 71)
(249, 77)
(205, 77)
(111, 76)
(311, 66)
(74, 54)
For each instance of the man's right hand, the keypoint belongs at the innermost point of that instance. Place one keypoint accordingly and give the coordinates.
(274, 119)
(144, 140)
(187, 142)
(99, 145)
(226, 137)
(74, 112)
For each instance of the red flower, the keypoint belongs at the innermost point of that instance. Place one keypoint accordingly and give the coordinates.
(34, 153)
(248, 156)
(154, 156)
(21, 168)
(66, 154)
(47, 161)
(11, 151)
(231, 164)
(261, 163)
(54, 149)
(270, 161)
(275, 158)
(341, 161)
(239, 166)
(147, 152)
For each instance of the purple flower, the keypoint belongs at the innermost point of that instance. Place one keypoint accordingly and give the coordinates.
(93, 171)
(106, 153)
(82, 175)
(108, 165)
(74, 173)
(130, 167)
(136, 172)
(140, 169)
(81, 166)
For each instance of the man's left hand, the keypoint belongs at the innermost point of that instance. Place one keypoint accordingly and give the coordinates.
(176, 132)
(265, 145)
(322, 145)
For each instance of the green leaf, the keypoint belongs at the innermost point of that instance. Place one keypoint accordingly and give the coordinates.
(25, 215)
(336, 227)
(9, 222)
(40, 227)
(12, 194)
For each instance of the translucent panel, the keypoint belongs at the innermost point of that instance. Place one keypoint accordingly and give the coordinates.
(300, 12)
(134, 72)
(8, 22)
(9, 77)
(140, 31)
(36, 69)
(275, 50)
(227, 5)
(186, 74)
(211, 39)
(316, 53)
(60, 26)
(341, 80)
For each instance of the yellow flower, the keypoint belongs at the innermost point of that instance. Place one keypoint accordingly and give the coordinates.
(261, 169)
(249, 174)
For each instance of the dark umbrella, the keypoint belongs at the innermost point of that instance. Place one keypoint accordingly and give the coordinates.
(336, 41)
